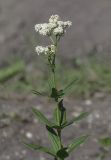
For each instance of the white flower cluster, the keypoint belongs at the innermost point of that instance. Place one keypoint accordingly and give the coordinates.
(53, 27)
(41, 49)
(45, 50)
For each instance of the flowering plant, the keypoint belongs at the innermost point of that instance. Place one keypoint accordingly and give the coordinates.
(55, 29)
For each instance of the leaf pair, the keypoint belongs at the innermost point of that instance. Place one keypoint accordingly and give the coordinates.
(39, 93)
(58, 151)
(56, 144)
(60, 121)
(59, 117)
(59, 94)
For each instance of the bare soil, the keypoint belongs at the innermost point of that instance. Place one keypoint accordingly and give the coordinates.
(19, 124)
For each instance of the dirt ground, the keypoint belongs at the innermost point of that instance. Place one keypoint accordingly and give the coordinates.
(19, 124)
(91, 27)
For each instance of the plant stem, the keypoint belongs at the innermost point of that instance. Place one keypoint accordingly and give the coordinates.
(54, 79)
(55, 43)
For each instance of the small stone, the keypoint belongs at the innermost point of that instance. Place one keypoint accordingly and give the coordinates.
(75, 114)
(24, 152)
(5, 134)
(42, 158)
(97, 115)
(29, 135)
(95, 140)
(88, 102)
(35, 120)
(17, 154)
(39, 107)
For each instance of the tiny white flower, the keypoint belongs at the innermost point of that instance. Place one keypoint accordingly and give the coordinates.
(54, 18)
(52, 25)
(45, 29)
(60, 23)
(38, 27)
(67, 24)
(44, 32)
(41, 49)
(58, 31)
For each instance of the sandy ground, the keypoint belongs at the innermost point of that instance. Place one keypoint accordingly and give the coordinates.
(91, 27)
(19, 124)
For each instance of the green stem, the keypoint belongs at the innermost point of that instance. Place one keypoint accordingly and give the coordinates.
(59, 134)
(55, 43)
(52, 40)
(54, 79)
(53, 63)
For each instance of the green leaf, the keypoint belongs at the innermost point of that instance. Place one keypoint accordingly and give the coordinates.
(69, 86)
(76, 143)
(60, 114)
(41, 117)
(11, 71)
(55, 140)
(105, 141)
(38, 147)
(39, 93)
(78, 118)
(62, 153)
(60, 93)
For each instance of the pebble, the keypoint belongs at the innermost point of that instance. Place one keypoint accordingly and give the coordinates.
(5, 134)
(35, 120)
(88, 102)
(17, 154)
(92, 117)
(24, 152)
(75, 114)
(42, 158)
(39, 107)
(29, 135)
